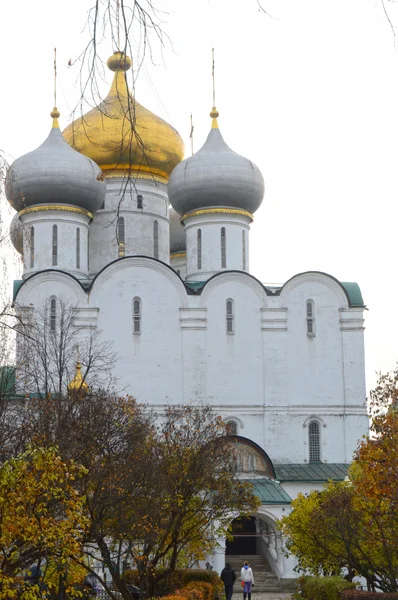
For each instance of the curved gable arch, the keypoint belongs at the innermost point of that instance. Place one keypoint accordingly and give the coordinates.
(235, 277)
(129, 262)
(51, 276)
(318, 277)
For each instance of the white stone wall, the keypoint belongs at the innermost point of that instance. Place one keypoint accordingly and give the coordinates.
(121, 200)
(67, 224)
(210, 226)
(269, 376)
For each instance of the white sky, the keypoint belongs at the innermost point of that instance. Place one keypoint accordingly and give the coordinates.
(310, 95)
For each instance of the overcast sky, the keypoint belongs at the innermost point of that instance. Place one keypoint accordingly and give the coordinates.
(309, 93)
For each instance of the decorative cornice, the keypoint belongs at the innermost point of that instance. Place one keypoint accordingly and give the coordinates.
(178, 255)
(59, 207)
(217, 211)
(123, 173)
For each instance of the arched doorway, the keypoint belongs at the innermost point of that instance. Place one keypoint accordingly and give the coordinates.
(244, 540)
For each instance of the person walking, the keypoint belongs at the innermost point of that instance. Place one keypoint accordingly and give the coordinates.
(247, 578)
(228, 576)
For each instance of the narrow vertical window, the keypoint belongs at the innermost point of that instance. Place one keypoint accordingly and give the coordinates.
(139, 201)
(199, 247)
(314, 442)
(310, 310)
(137, 316)
(32, 247)
(244, 263)
(230, 316)
(156, 239)
(78, 248)
(223, 249)
(120, 236)
(88, 252)
(53, 314)
(55, 245)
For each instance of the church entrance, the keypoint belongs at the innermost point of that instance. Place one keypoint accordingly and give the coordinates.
(244, 540)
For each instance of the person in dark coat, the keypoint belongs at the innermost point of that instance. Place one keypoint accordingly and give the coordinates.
(228, 576)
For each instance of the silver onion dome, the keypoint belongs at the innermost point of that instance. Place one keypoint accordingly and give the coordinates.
(54, 173)
(16, 233)
(177, 233)
(215, 176)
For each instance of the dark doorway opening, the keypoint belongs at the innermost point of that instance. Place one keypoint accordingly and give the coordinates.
(244, 540)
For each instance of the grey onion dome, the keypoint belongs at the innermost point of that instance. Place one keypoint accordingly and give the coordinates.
(177, 233)
(54, 173)
(215, 176)
(16, 233)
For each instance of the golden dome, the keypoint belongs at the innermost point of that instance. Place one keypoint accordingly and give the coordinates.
(78, 385)
(105, 134)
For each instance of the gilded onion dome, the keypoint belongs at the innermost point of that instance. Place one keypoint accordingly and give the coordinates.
(216, 176)
(54, 173)
(16, 233)
(122, 136)
(78, 385)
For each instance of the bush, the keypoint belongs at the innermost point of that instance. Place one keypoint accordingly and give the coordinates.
(363, 595)
(206, 588)
(323, 588)
(203, 575)
(191, 592)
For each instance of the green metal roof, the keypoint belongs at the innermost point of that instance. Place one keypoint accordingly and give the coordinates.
(311, 472)
(354, 292)
(270, 492)
(17, 285)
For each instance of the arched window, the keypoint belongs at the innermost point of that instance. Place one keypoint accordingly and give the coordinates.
(156, 239)
(53, 314)
(199, 247)
(232, 427)
(32, 247)
(136, 316)
(223, 248)
(314, 442)
(120, 237)
(230, 317)
(244, 262)
(310, 311)
(55, 245)
(140, 201)
(78, 248)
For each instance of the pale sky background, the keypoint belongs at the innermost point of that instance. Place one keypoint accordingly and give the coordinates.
(309, 94)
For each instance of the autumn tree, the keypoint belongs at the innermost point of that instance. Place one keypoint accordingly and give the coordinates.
(42, 515)
(353, 525)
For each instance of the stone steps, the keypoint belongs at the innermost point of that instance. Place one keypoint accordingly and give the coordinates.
(265, 579)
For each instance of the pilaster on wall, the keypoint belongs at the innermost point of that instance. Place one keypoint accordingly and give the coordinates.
(274, 328)
(193, 327)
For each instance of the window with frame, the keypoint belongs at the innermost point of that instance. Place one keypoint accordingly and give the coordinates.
(230, 317)
(310, 318)
(314, 444)
(53, 314)
(121, 237)
(32, 247)
(140, 201)
(55, 245)
(232, 428)
(223, 248)
(137, 316)
(244, 261)
(78, 248)
(156, 239)
(199, 247)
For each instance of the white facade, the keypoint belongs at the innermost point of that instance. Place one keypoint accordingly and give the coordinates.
(284, 365)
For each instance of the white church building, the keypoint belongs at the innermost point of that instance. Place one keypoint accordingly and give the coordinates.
(159, 261)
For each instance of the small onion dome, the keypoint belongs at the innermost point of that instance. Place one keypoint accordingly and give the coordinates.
(177, 234)
(122, 136)
(78, 385)
(55, 173)
(16, 233)
(215, 176)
